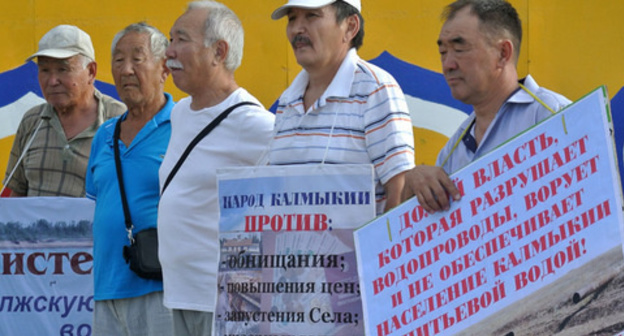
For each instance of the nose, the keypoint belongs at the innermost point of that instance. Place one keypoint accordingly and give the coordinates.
(53, 78)
(126, 68)
(170, 52)
(449, 63)
(295, 26)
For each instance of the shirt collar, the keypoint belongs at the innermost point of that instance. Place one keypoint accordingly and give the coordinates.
(89, 132)
(343, 80)
(522, 96)
(160, 118)
(164, 115)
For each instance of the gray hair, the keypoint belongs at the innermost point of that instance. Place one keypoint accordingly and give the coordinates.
(222, 24)
(158, 41)
(84, 60)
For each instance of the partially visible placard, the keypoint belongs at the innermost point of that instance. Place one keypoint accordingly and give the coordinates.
(46, 286)
(287, 264)
(533, 248)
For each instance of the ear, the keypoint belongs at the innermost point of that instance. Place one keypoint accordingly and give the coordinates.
(506, 52)
(165, 70)
(353, 27)
(92, 68)
(221, 49)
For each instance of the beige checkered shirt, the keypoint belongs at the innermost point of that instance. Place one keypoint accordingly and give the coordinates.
(54, 165)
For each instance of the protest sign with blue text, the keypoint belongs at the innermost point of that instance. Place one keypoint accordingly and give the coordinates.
(287, 264)
(46, 282)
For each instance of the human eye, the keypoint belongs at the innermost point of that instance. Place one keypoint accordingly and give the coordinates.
(177, 38)
(182, 37)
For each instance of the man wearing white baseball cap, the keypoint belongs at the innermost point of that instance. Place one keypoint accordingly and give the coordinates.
(341, 109)
(311, 4)
(53, 141)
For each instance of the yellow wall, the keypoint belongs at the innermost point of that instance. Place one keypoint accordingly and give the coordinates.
(570, 46)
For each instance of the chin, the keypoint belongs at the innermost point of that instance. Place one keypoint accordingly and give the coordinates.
(458, 94)
(303, 58)
(59, 104)
(305, 63)
(131, 100)
(179, 83)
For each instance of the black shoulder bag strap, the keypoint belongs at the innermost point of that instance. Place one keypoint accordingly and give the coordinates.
(198, 138)
(122, 190)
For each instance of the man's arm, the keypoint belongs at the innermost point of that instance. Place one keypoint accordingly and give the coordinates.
(393, 189)
(432, 186)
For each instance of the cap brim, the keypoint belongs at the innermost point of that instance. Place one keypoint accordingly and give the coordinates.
(54, 53)
(279, 13)
(283, 10)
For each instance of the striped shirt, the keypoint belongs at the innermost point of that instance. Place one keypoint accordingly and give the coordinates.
(54, 165)
(518, 113)
(362, 117)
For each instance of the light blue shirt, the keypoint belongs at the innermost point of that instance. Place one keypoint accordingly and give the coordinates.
(140, 162)
(517, 114)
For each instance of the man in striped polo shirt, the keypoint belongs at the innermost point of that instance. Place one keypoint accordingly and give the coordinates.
(341, 109)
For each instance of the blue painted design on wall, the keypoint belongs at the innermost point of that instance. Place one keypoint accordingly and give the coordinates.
(414, 80)
(419, 82)
(17, 82)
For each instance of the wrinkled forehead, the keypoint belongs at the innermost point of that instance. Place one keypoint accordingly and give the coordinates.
(137, 41)
(462, 27)
(192, 22)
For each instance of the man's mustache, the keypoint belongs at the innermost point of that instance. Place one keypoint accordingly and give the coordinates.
(300, 39)
(174, 64)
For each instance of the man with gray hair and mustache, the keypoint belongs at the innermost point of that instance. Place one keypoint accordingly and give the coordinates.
(206, 48)
(126, 303)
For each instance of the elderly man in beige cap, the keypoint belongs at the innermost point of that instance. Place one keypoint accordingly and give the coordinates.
(53, 142)
(341, 109)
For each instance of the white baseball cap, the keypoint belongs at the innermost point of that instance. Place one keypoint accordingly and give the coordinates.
(310, 4)
(64, 41)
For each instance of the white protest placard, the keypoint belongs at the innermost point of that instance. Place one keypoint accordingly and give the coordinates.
(287, 263)
(46, 246)
(534, 240)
